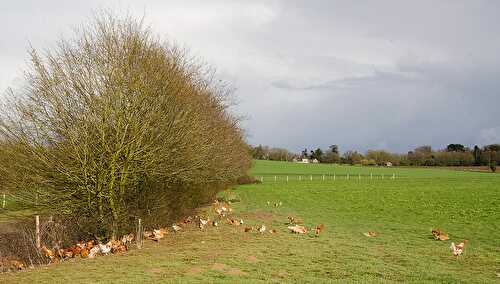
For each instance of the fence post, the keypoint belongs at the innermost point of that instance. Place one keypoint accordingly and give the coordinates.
(393, 176)
(3, 201)
(274, 178)
(382, 176)
(300, 178)
(323, 177)
(139, 235)
(286, 178)
(334, 176)
(347, 177)
(359, 176)
(311, 177)
(371, 175)
(37, 231)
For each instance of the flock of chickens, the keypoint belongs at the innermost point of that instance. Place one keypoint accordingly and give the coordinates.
(91, 249)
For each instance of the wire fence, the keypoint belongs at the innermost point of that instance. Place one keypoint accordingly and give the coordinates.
(324, 177)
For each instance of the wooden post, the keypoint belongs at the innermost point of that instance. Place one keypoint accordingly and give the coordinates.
(311, 177)
(3, 202)
(274, 178)
(347, 177)
(371, 175)
(286, 178)
(334, 176)
(300, 178)
(37, 231)
(359, 176)
(323, 177)
(139, 234)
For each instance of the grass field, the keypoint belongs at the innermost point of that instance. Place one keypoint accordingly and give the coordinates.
(402, 211)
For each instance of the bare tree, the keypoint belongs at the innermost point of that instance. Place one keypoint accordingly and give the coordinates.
(115, 124)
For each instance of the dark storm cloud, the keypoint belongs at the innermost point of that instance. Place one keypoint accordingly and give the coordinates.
(386, 75)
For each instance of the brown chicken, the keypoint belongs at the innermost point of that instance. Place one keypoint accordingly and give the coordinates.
(17, 265)
(68, 253)
(319, 229)
(84, 253)
(248, 229)
(439, 235)
(48, 253)
(370, 234)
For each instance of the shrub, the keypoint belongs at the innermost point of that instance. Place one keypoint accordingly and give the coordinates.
(493, 166)
(115, 125)
(246, 179)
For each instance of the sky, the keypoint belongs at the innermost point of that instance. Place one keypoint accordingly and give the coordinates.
(385, 75)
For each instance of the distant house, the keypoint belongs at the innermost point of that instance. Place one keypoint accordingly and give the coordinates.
(388, 164)
(303, 161)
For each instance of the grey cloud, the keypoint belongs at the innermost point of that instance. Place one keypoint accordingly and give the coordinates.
(381, 74)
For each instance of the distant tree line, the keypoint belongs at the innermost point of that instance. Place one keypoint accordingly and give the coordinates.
(452, 155)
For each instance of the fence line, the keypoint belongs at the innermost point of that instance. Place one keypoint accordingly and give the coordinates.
(323, 177)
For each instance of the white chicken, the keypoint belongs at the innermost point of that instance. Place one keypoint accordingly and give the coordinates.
(298, 229)
(104, 249)
(262, 229)
(458, 249)
(94, 251)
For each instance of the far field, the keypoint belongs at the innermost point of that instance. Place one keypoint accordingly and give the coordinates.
(402, 211)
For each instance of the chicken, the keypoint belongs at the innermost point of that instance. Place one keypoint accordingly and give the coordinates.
(215, 223)
(234, 222)
(84, 253)
(203, 222)
(127, 239)
(104, 249)
(222, 209)
(248, 229)
(76, 250)
(120, 248)
(291, 220)
(319, 229)
(90, 244)
(370, 234)
(158, 234)
(176, 228)
(50, 254)
(68, 253)
(439, 235)
(81, 244)
(298, 229)
(17, 265)
(94, 251)
(458, 249)
(262, 229)
(273, 231)
(187, 220)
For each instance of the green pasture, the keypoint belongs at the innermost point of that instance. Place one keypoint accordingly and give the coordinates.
(402, 211)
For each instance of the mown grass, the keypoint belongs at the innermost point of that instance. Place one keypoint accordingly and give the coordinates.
(401, 211)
